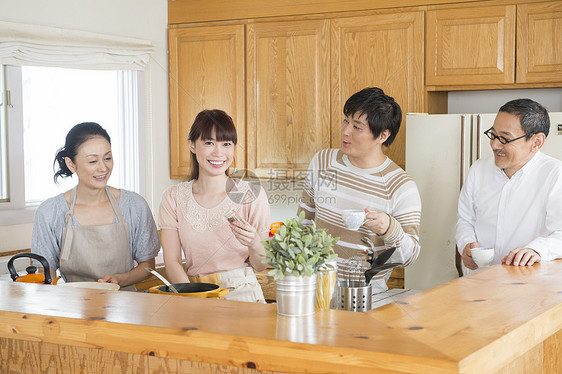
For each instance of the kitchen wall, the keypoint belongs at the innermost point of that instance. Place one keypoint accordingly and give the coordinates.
(142, 19)
(491, 101)
(283, 197)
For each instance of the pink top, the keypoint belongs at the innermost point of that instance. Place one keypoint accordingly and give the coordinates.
(208, 243)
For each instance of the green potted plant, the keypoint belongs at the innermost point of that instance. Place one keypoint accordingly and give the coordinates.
(297, 252)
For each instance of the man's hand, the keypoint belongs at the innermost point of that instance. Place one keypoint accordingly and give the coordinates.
(521, 257)
(377, 222)
(467, 256)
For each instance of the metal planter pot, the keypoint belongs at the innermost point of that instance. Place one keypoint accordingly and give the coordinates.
(296, 296)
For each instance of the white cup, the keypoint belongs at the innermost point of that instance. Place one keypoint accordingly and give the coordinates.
(483, 257)
(353, 219)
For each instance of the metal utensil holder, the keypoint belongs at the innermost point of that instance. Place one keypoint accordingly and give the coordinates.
(353, 295)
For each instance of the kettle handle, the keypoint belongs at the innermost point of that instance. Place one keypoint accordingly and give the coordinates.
(14, 274)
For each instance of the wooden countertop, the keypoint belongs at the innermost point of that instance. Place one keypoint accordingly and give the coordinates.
(480, 323)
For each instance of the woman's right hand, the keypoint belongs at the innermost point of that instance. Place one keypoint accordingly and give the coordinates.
(248, 236)
(245, 233)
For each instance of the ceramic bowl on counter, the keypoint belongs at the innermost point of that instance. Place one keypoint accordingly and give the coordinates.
(92, 285)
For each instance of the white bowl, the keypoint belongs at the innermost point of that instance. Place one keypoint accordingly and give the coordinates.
(93, 285)
(483, 257)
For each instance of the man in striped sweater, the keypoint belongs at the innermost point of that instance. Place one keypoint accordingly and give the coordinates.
(360, 176)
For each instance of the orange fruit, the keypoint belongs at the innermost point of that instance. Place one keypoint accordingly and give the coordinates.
(275, 227)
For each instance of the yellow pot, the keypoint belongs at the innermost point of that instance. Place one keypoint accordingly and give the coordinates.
(204, 290)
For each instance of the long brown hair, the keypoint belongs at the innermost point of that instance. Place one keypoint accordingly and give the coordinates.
(202, 128)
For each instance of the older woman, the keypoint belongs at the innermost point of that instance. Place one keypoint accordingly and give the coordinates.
(94, 232)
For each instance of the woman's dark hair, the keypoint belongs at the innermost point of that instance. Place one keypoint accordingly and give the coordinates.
(202, 128)
(383, 113)
(74, 139)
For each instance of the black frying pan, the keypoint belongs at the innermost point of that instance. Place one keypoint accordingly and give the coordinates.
(205, 290)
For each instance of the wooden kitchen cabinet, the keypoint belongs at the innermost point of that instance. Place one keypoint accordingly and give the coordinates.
(288, 95)
(206, 71)
(470, 46)
(285, 95)
(383, 50)
(539, 42)
(285, 82)
(477, 46)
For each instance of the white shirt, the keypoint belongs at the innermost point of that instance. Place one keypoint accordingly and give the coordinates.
(524, 211)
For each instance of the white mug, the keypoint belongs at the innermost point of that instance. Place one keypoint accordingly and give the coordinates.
(353, 219)
(483, 257)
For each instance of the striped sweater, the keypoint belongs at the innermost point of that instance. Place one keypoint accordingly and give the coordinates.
(333, 184)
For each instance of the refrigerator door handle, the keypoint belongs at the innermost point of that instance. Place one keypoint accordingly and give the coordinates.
(463, 149)
(478, 128)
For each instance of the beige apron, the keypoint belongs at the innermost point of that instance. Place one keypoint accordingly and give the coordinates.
(90, 252)
(242, 283)
(245, 284)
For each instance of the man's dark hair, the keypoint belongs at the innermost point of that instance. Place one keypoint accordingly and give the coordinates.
(383, 113)
(532, 115)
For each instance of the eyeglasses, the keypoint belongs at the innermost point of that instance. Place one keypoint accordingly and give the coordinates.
(502, 140)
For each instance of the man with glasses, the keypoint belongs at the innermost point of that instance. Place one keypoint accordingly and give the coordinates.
(513, 200)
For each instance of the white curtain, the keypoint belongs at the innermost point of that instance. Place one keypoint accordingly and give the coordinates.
(22, 44)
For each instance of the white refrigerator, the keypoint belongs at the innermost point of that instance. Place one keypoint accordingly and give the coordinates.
(439, 151)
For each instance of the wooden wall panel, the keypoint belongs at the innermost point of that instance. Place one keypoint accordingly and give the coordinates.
(27, 357)
(385, 51)
(530, 362)
(552, 351)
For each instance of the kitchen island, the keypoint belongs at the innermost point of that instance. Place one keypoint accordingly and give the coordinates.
(499, 319)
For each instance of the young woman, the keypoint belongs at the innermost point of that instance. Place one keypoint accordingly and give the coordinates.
(192, 216)
(94, 232)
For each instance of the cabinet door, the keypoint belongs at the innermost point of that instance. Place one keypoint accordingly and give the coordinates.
(385, 51)
(470, 46)
(539, 42)
(206, 72)
(287, 95)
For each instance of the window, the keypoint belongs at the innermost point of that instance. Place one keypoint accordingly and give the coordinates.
(40, 105)
(4, 102)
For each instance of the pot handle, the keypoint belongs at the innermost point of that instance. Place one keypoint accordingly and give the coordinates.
(218, 293)
(14, 274)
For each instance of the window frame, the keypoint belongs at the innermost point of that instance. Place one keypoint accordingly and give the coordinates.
(132, 118)
(4, 102)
